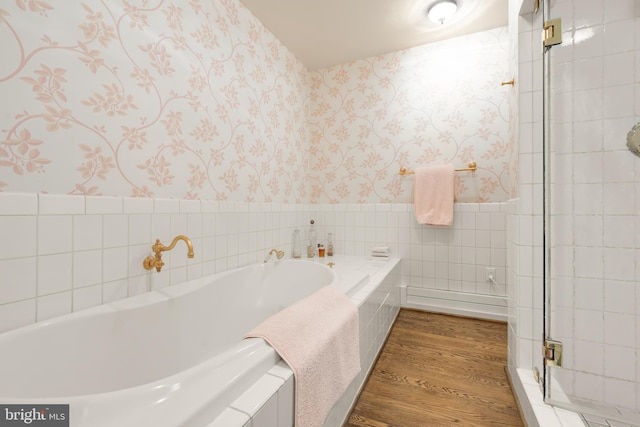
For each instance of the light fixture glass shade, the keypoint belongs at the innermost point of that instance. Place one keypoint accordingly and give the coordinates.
(442, 10)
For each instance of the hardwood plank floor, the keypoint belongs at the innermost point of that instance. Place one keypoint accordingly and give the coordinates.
(439, 370)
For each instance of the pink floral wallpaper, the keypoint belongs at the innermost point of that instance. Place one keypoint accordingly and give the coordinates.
(434, 104)
(149, 98)
(513, 165)
(197, 100)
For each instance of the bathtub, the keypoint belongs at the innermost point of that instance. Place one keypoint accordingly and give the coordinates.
(172, 357)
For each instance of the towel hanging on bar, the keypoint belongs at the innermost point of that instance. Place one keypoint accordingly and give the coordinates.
(434, 195)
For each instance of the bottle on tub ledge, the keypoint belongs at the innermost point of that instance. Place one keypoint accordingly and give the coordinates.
(313, 238)
(297, 245)
(329, 244)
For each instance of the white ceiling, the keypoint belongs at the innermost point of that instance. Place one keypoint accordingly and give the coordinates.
(321, 33)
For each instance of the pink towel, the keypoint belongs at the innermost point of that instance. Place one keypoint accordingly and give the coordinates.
(318, 337)
(433, 195)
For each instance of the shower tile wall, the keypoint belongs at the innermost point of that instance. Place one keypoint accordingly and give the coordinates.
(595, 199)
(524, 223)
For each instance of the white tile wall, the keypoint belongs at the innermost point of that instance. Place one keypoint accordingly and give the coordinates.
(602, 219)
(594, 203)
(89, 251)
(68, 253)
(447, 258)
(20, 234)
(524, 220)
(18, 279)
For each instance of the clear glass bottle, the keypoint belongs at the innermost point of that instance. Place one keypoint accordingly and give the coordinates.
(313, 239)
(329, 244)
(297, 244)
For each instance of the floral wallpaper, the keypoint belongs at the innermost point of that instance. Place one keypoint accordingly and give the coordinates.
(197, 100)
(434, 104)
(149, 98)
(513, 165)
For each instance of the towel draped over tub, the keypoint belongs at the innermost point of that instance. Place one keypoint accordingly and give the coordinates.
(318, 337)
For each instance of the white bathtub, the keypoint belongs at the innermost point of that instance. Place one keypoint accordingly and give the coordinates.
(173, 357)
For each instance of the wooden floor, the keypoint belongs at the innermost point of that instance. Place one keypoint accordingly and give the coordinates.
(439, 370)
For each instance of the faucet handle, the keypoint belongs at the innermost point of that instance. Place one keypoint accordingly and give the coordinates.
(279, 254)
(153, 261)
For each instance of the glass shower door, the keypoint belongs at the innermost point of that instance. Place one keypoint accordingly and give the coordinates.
(591, 85)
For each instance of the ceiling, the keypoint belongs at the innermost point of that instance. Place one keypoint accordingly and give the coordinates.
(321, 33)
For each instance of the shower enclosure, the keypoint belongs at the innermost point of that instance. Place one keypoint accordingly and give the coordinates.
(591, 94)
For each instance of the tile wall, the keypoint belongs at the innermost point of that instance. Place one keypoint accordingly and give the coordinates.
(445, 258)
(444, 268)
(595, 197)
(67, 253)
(525, 225)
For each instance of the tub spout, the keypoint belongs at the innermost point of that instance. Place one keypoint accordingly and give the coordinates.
(279, 254)
(156, 260)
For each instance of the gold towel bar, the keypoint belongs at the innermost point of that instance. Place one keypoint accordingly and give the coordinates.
(471, 166)
(511, 82)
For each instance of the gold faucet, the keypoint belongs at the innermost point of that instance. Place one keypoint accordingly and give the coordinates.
(156, 261)
(279, 254)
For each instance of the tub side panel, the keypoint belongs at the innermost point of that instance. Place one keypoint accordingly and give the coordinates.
(377, 312)
(377, 315)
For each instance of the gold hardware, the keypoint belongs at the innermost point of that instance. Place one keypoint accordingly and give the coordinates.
(552, 32)
(471, 166)
(279, 254)
(331, 264)
(552, 353)
(536, 374)
(536, 6)
(156, 260)
(511, 82)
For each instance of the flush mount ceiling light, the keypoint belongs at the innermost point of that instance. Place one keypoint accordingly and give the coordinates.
(442, 10)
